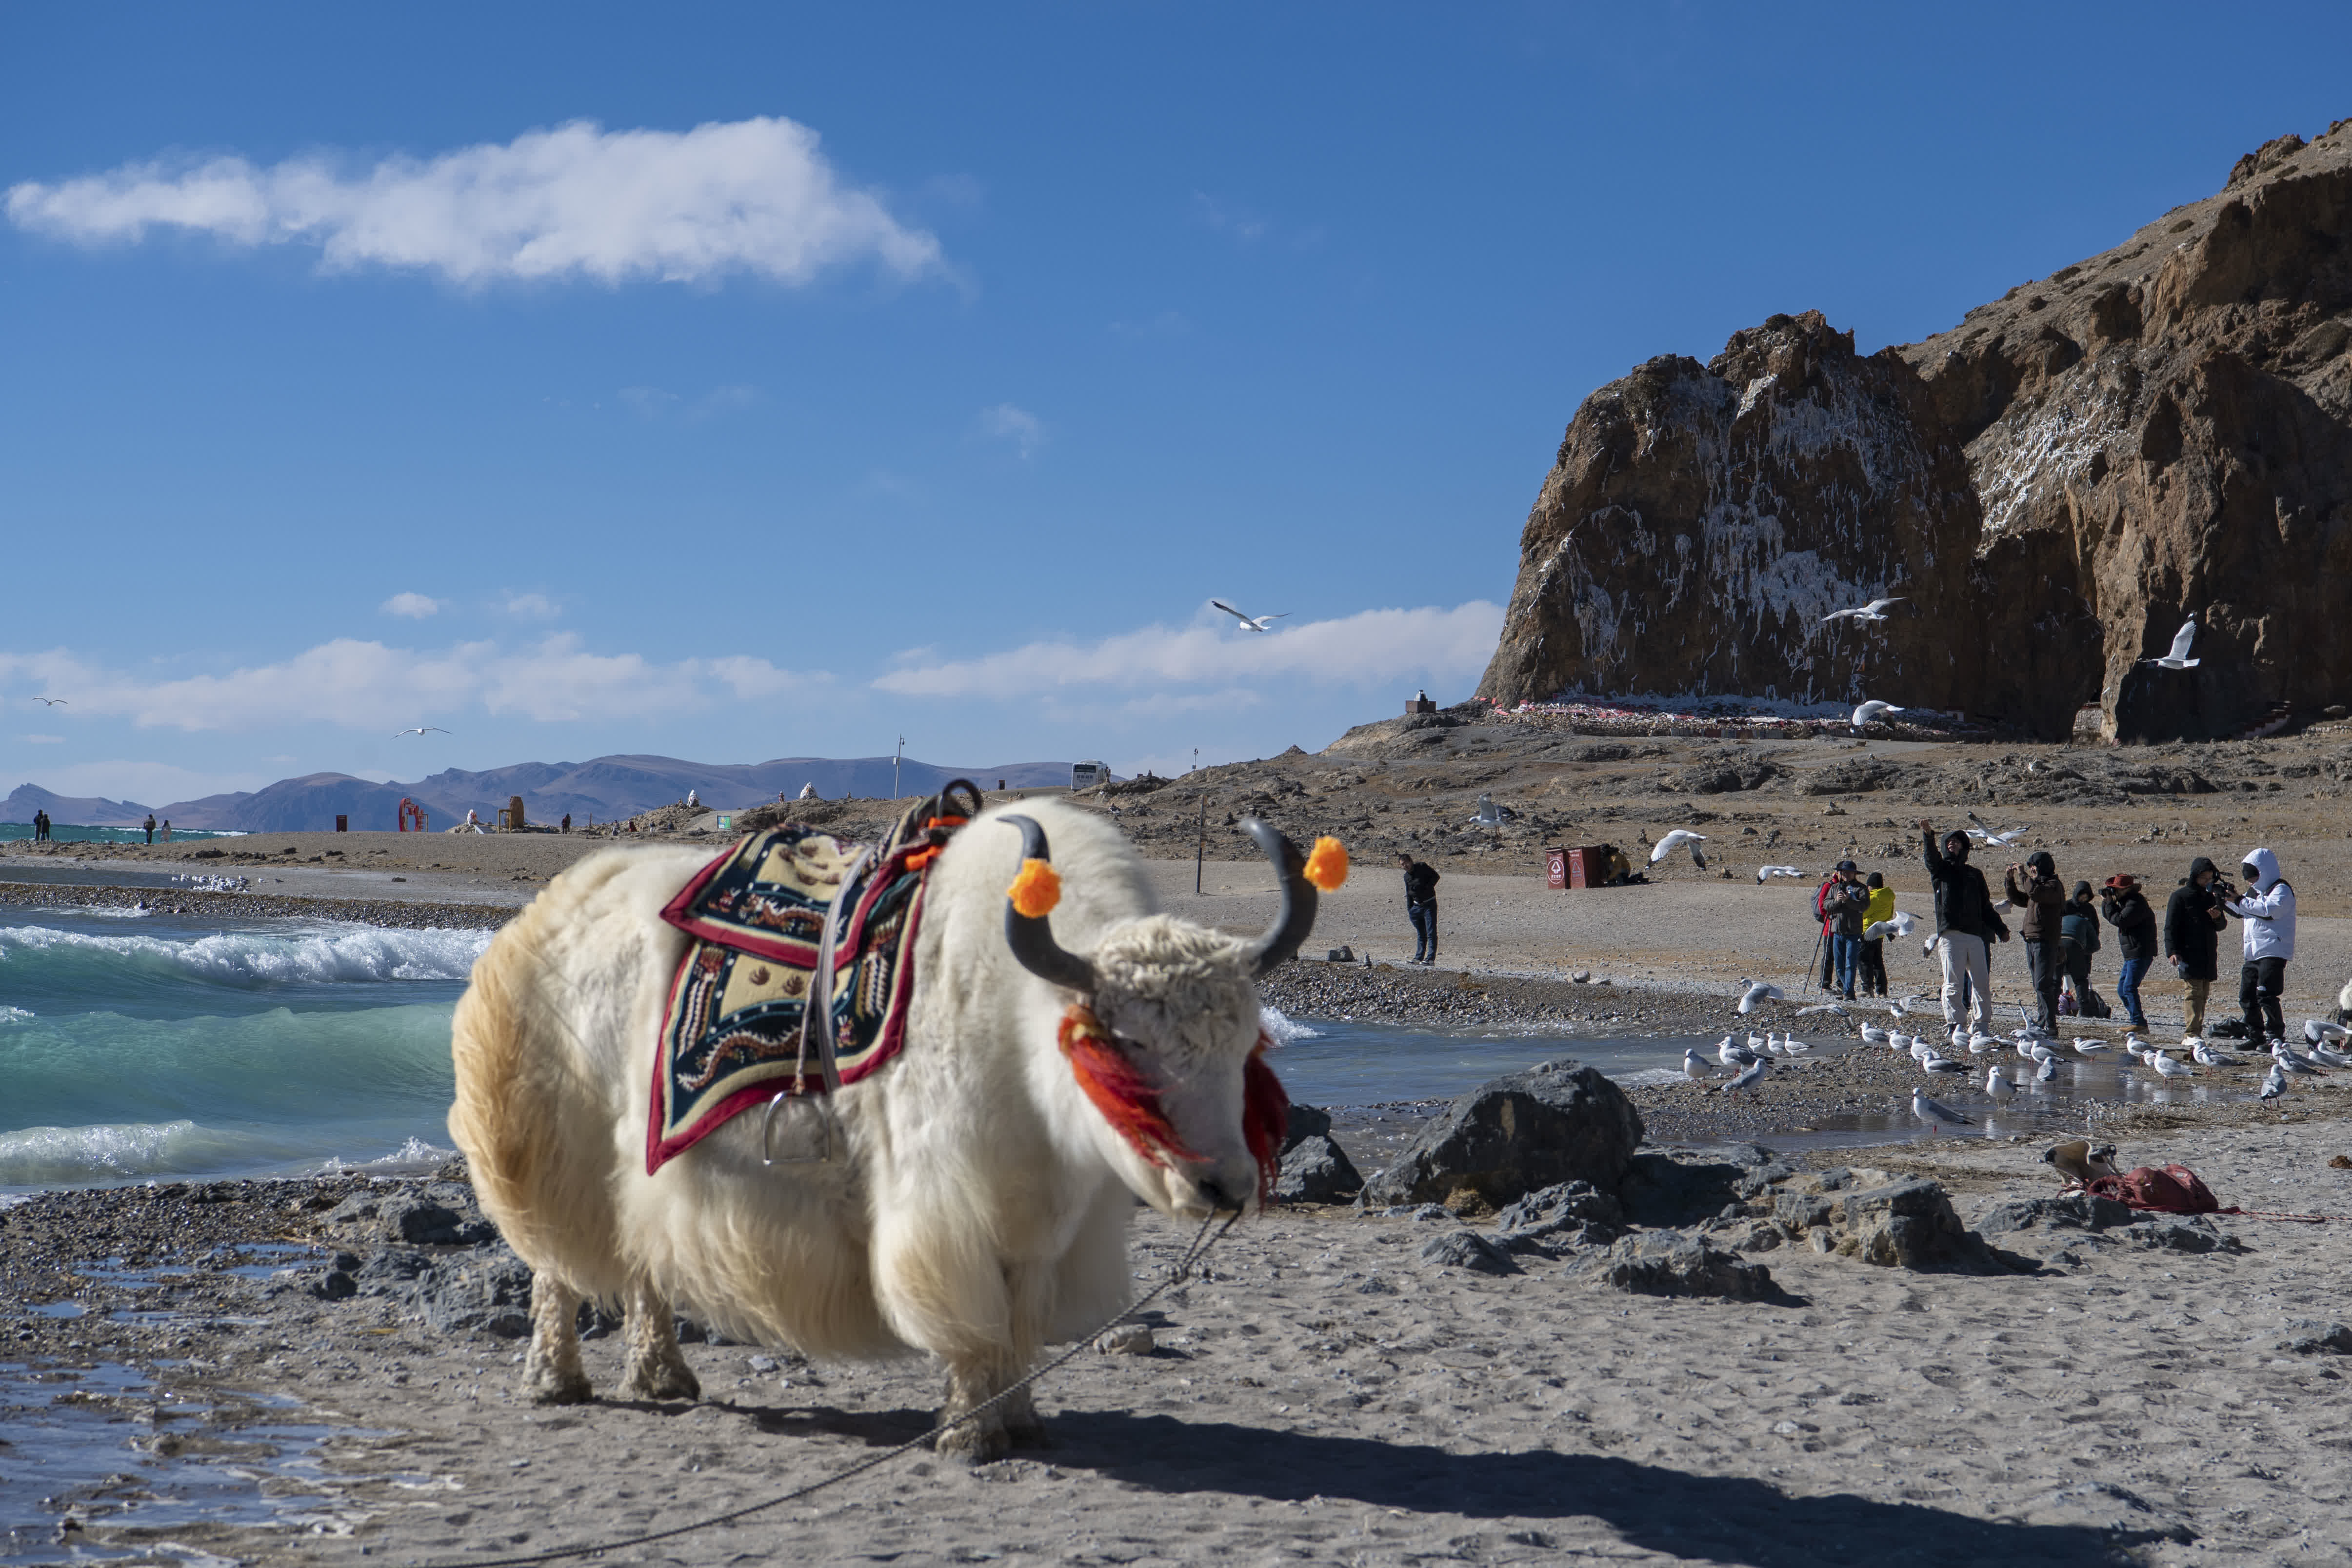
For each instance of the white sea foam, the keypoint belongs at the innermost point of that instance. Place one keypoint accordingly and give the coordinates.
(321, 955)
(1283, 1029)
(36, 1156)
(15, 1015)
(415, 1155)
(1648, 1077)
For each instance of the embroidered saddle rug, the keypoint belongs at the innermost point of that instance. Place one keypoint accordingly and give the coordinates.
(733, 1036)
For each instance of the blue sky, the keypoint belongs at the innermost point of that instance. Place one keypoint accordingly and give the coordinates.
(738, 381)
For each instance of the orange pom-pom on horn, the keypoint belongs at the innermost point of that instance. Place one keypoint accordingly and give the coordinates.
(1327, 868)
(1035, 891)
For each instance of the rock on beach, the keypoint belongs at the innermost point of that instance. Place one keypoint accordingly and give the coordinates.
(1558, 1121)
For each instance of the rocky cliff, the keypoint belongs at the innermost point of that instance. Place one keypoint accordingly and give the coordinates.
(2054, 485)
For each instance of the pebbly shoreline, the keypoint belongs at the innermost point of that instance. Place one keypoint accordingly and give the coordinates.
(394, 914)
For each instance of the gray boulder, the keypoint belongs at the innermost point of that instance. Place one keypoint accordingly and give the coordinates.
(2183, 1233)
(1559, 1122)
(489, 1292)
(1560, 1219)
(1877, 1216)
(2072, 1211)
(1673, 1263)
(1305, 1121)
(2308, 1336)
(1317, 1170)
(1467, 1249)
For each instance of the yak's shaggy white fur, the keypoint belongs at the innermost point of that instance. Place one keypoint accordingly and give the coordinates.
(979, 1209)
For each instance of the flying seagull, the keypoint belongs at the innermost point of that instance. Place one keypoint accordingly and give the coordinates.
(1669, 843)
(1747, 1080)
(419, 729)
(53, 702)
(2182, 641)
(1873, 610)
(1764, 871)
(1901, 925)
(1757, 995)
(1872, 710)
(1249, 623)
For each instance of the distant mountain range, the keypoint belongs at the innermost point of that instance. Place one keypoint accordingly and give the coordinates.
(601, 789)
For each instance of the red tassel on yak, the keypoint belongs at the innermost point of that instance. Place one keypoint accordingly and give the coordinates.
(1131, 1103)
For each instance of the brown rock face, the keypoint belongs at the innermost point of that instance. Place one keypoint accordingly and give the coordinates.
(2054, 485)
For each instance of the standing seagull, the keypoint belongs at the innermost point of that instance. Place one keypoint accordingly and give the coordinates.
(1999, 1087)
(2275, 1084)
(2182, 641)
(1936, 1113)
(1747, 1080)
(1249, 623)
(1871, 710)
(419, 729)
(1873, 610)
(1695, 1067)
(1669, 843)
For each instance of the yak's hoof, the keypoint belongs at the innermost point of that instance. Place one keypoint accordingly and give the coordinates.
(546, 1387)
(979, 1442)
(674, 1381)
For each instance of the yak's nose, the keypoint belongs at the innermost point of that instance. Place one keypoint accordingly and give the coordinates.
(1224, 1196)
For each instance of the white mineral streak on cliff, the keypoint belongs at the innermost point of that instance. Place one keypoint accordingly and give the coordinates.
(2032, 454)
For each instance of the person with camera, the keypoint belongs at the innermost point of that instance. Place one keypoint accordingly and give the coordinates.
(1844, 903)
(2267, 908)
(2043, 898)
(1966, 926)
(2078, 942)
(2124, 906)
(2192, 941)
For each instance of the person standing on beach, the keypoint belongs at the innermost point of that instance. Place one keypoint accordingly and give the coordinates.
(2192, 940)
(2078, 938)
(567, 821)
(2126, 908)
(1966, 926)
(1844, 903)
(151, 827)
(2043, 898)
(1421, 907)
(1829, 937)
(167, 829)
(1872, 970)
(2268, 910)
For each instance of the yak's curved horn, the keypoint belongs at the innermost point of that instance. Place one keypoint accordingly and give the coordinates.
(1290, 928)
(1031, 937)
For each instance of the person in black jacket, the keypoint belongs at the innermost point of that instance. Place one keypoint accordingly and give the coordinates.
(2193, 939)
(2125, 907)
(1421, 907)
(1844, 904)
(2078, 939)
(1966, 926)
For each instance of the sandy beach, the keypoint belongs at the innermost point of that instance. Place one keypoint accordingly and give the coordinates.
(1322, 1391)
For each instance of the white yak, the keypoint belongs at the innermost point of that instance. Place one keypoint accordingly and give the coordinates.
(978, 1208)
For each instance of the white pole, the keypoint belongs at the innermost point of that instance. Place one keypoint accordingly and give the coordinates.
(894, 766)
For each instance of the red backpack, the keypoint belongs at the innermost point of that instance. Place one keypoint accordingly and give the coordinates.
(2175, 1189)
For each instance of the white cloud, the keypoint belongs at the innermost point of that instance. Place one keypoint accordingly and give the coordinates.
(414, 606)
(532, 606)
(656, 403)
(1017, 426)
(42, 739)
(751, 196)
(1368, 648)
(368, 685)
(1215, 214)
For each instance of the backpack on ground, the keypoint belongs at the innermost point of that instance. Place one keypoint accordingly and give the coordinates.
(2175, 1189)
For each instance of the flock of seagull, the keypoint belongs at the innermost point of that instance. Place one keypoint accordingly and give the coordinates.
(2176, 658)
(1952, 1058)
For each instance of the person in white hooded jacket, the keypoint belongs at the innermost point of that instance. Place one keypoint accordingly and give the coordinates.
(2267, 906)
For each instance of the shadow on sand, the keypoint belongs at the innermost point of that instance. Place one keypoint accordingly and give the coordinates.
(1710, 1518)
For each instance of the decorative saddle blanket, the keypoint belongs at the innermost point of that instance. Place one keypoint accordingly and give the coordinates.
(733, 1034)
